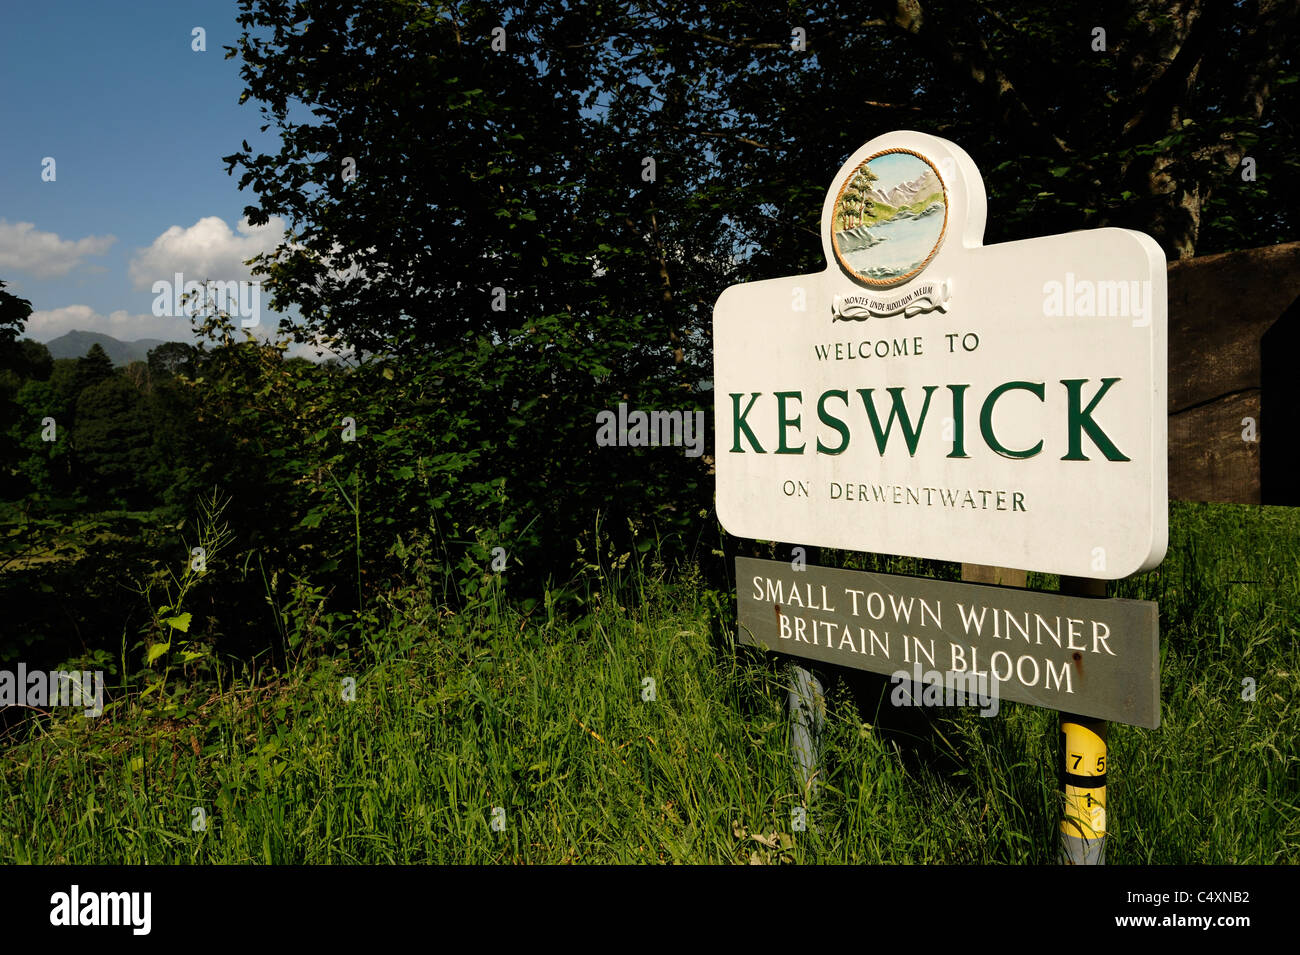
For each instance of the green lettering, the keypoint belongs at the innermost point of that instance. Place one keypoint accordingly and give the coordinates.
(784, 422)
(958, 421)
(739, 424)
(896, 410)
(986, 418)
(1081, 420)
(828, 419)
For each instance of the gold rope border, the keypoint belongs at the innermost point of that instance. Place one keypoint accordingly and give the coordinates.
(943, 233)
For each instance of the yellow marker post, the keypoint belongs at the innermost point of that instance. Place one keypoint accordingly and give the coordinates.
(1083, 776)
(1083, 767)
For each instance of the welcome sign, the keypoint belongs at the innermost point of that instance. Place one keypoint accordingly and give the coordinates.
(929, 396)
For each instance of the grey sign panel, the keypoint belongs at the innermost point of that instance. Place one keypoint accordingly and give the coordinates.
(1095, 657)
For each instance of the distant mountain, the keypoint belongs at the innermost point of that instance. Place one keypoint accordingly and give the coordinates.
(76, 344)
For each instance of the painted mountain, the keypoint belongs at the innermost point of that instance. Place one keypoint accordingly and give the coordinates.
(913, 197)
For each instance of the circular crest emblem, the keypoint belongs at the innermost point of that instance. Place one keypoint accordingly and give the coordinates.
(889, 218)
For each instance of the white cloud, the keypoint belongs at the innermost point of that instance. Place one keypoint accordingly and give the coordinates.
(24, 248)
(48, 324)
(206, 250)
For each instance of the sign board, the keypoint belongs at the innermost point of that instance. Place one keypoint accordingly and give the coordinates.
(928, 396)
(1089, 656)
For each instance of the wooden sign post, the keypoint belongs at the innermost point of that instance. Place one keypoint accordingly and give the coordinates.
(928, 396)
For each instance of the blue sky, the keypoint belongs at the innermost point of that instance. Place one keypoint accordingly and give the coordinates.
(136, 121)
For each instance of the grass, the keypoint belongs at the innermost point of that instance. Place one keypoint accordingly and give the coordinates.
(548, 719)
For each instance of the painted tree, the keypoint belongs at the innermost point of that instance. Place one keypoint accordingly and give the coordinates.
(857, 196)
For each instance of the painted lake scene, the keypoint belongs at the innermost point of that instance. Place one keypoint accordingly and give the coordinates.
(889, 218)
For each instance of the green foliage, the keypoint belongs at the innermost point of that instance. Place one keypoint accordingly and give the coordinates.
(47, 466)
(167, 635)
(113, 441)
(543, 715)
(483, 417)
(94, 368)
(526, 171)
(14, 312)
(19, 361)
(170, 359)
(533, 180)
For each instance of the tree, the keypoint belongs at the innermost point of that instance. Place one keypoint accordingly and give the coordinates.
(95, 367)
(171, 358)
(524, 154)
(114, 446)
(34, 360)
(45, 466)
(506, 246)
(14, 312)
(18, 362)
(1134, 113)
(515, 239)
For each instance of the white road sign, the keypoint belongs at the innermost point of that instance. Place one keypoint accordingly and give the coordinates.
(927, 395)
